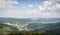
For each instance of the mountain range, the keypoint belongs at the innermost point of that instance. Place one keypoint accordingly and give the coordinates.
(45, 25)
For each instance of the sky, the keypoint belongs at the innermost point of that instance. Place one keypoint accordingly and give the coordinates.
(30, 8)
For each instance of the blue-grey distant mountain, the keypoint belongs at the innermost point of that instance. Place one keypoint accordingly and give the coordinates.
(29, 20)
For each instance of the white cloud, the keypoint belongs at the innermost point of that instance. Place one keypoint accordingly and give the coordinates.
(49, 15)
(33, 12)
(11, 13)
(7, 3)
(49, 9)
(49, 6)
(57, 1)
(30, 5)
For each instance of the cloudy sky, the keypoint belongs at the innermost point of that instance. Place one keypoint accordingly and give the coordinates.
(30, 8)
